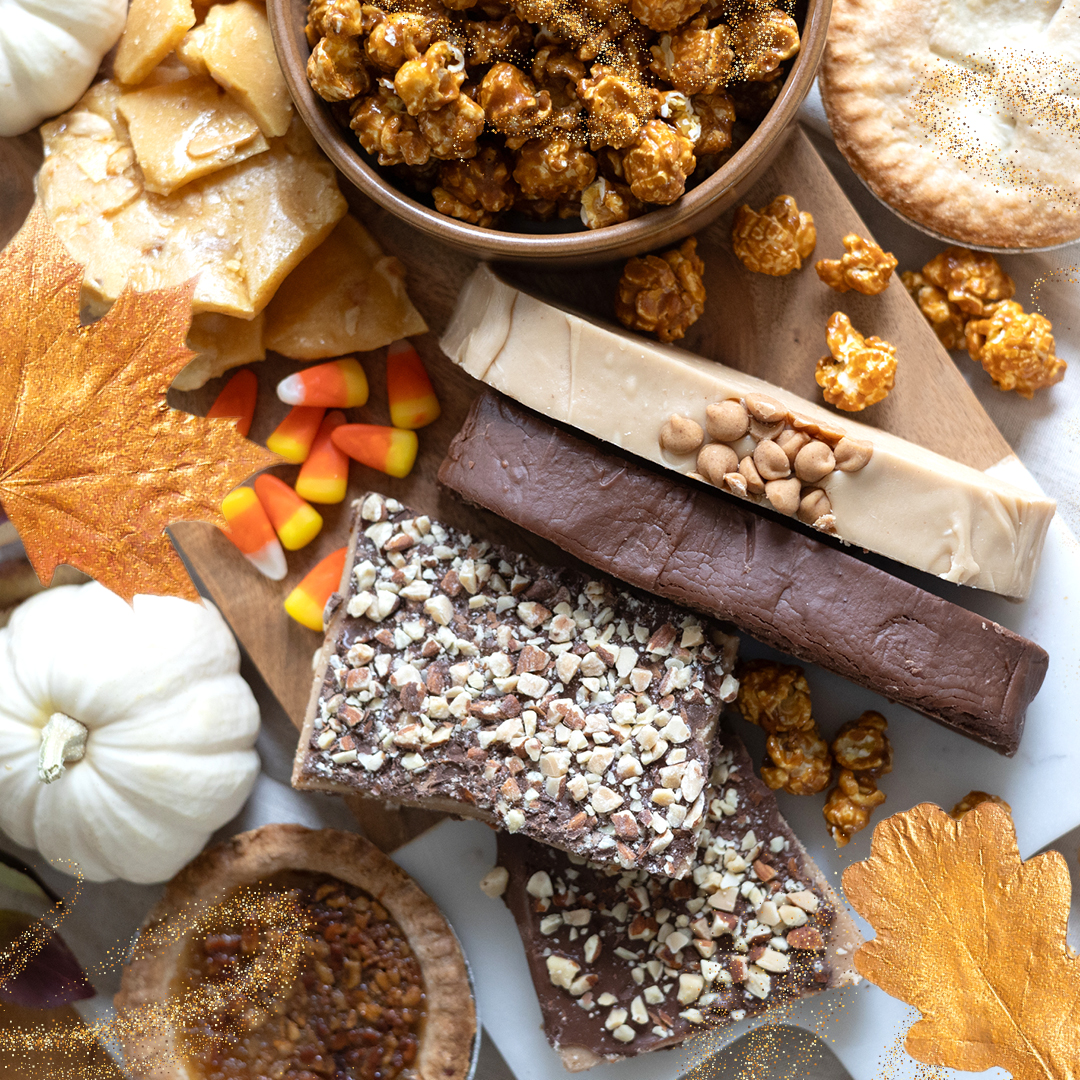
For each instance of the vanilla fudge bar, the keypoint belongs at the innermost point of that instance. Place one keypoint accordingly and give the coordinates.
(751, 439)
(627, 962)
(693, 546)
(463, 678)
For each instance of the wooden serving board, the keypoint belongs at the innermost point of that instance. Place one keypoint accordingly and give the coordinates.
(771, 327)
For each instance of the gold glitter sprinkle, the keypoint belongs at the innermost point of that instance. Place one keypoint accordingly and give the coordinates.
(1019, 87)
(259, 980)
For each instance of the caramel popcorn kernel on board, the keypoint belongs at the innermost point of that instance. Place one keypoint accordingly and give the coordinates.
(860, 372)
(774, 240)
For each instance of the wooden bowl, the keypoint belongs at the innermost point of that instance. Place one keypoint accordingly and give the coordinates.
(652, 230)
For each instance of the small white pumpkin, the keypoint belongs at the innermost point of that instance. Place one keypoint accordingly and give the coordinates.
(50, 51)
(126, 731)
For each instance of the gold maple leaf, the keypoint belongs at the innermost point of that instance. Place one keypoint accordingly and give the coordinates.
(94, 464)
(974, 939)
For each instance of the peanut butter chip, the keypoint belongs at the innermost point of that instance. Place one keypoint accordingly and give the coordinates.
(814, 505)
(736, 483)
(727, 421)
(813, 462)
(760, 430)
(784, 495)
(754, 484)
(716, 459)
(681, 435)
(764, 408)
(791, 442)
(852, 454)
(771, 461)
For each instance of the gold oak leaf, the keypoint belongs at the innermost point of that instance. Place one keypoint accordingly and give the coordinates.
(974, 939)
(94, 464)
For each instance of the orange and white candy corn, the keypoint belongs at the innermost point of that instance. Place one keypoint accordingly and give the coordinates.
(250, 530)
(413, 403)
(307, 601)
(340, 384)
(325, 475)
(237, 398)
(388, 449)
(295, 522)
(292, 438)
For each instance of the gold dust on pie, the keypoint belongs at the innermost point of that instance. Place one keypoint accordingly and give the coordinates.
(956, 113)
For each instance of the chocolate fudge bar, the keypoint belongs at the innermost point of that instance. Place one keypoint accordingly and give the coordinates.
(681, 541)
(624, 963)
(464, 678)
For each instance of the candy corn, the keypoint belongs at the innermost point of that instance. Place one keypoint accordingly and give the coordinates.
(325, 475)
(340, 384)
(295, 522)
(292, 438)
(413, 403)
(306, 602)
(390, 450)
(237, 398)
(250, 530)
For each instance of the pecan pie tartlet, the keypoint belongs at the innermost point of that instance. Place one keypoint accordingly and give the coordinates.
(296, 955)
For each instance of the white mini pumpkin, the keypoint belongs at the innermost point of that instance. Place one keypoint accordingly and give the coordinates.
(50, 51)
(146, 706)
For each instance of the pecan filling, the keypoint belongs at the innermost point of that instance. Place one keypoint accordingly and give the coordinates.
(354, 1012)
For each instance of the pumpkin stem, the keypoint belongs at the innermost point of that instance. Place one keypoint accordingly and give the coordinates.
(62, 740)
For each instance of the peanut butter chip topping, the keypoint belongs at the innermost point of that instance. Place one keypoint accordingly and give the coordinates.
(355, 1010)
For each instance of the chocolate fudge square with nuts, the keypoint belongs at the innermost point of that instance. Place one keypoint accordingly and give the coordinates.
(460, 677)
(625, 962)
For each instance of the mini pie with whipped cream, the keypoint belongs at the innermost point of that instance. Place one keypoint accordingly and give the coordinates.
(377, 987)
(961, 114)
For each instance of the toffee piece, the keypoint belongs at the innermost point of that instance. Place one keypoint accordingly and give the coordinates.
(625, 963)
(463, 678)
(379, 990)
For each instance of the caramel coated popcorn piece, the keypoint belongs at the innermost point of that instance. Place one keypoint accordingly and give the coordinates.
(398, 37)
(478, 189)
(663, 294)
(799, 762)
(972, 280)
(762, 39)
(616, 106)
(658, 165)
(696, 59)
(774, 240)
(607, 202)
(387, 131)
(431, 81)
(553, 168)
(336, 69)
(973, 799)
(665, 14)
(956, 285)
(511, 101)
(775, 697)
(848, 806)
(860, 372)
(716, 114)
(452, 131)
(862, 746)
(863, 267)
(1015, 348)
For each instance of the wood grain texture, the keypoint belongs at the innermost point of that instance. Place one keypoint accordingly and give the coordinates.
(770, 327)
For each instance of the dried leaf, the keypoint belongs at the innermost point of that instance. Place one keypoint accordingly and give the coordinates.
(974, 939)
(93, 462)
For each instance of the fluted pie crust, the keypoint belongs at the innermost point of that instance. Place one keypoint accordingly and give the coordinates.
(449, 1027)
(876, 53)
